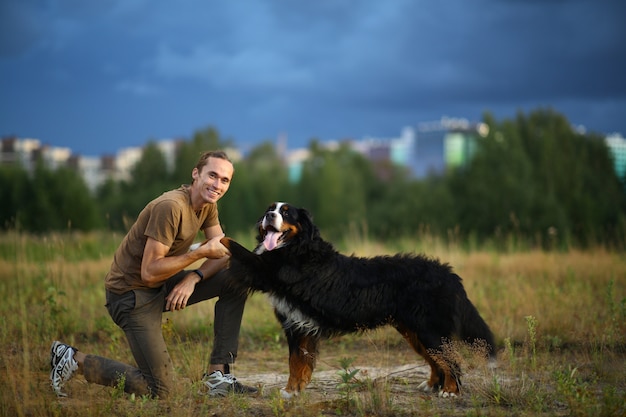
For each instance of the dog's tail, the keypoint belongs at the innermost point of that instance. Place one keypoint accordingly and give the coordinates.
(472, 328)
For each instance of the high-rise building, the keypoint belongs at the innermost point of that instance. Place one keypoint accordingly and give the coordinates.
(617, 147)
(444, 144)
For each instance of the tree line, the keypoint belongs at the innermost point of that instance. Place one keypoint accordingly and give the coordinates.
(533, 178)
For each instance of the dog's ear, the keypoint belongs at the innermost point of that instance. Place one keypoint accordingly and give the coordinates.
(306, 222)
(260, 233)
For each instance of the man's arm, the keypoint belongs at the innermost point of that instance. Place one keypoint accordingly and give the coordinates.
(156, 267)
(178, 297)
(213, 231)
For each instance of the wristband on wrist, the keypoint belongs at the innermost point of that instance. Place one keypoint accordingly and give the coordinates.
(200, 274)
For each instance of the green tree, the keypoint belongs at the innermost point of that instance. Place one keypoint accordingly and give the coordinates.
(392, 201)
(112, 204)
(535, 177)
(495, 193)
(15, 189)
(334, 187)
(74, 203)
(260, 179)
(575, 171)
(149, 178)
(41, 215)
(59, 200)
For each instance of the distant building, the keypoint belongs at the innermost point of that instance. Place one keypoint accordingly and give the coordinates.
(617, 147)
(94, 170)
(429, 149)
(461, 145)
(295, 162)
(385, 151)
(396, 150)
(25, 152)
(16, 151)
(402, 147)
(91, 168)
(444, 144)
(169, 148)
(428, 155)
(126, 159)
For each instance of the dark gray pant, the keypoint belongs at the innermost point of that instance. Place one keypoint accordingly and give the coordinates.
(139, 314)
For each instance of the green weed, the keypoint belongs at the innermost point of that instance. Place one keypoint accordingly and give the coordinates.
(348, 382)
(531, 323)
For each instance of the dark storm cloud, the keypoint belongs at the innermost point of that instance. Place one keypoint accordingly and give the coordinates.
(135, 69)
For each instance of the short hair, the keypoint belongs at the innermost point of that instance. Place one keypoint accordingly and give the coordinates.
(204, 158)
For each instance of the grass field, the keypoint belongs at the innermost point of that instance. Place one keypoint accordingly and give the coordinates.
(559, 320)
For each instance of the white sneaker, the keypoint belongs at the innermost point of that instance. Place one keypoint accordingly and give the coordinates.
(220, 384)
(63, 366)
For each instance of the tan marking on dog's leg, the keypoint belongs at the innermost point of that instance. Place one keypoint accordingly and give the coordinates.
(301, 365)
(437, 365)
(449, 385)
(419, 348)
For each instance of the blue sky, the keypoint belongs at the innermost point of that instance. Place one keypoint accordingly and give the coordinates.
(97, 76)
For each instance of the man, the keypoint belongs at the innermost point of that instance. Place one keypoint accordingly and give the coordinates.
(147, 277)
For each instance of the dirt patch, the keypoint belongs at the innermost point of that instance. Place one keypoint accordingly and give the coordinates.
(386, 384)
(403, 378)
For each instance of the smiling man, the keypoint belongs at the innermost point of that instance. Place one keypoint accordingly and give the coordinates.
(147, 277)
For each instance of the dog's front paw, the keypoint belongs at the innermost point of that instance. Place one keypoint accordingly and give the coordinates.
(288, 395)
(226, 242)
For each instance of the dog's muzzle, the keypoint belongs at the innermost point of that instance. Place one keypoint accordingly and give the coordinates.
(272, 224)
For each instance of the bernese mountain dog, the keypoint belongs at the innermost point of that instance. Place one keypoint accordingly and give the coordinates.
(318, 293)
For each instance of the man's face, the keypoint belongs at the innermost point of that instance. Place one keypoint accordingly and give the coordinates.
(212, 182)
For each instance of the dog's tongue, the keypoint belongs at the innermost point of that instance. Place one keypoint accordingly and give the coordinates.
(271, 240)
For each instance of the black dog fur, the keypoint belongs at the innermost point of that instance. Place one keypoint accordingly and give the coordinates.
(318, 293)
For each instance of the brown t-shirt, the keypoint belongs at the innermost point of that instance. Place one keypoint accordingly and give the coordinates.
(169, 219)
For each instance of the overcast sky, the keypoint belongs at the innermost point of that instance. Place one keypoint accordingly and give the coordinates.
(97, 76)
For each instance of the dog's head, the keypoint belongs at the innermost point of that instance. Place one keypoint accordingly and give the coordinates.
(282, 225)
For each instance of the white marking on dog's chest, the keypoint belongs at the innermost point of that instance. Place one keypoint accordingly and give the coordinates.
(294, 317)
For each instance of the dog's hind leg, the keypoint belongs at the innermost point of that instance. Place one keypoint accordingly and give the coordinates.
(441, 374)
(436, 375)
(302, 359)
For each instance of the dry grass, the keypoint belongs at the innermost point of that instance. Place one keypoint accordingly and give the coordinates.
(559, 320)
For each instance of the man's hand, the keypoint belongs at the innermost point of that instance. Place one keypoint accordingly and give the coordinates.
(213, 249)
(178, 297)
